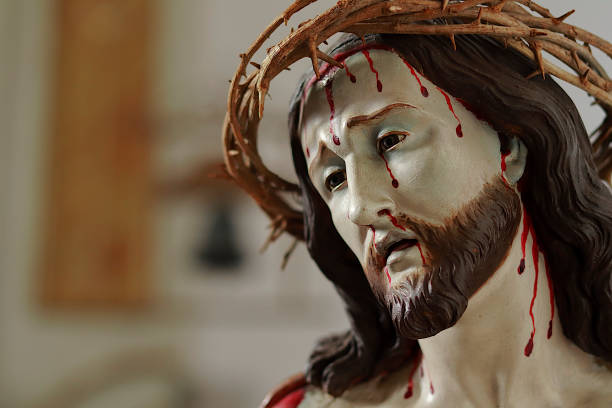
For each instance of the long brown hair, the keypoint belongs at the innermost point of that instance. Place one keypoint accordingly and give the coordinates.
(570, 206)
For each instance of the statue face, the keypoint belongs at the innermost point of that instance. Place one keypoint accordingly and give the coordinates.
(406, 170)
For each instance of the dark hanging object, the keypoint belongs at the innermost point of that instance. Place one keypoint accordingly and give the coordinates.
(220, 249)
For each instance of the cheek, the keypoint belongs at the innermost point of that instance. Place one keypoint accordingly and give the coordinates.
(351, 234)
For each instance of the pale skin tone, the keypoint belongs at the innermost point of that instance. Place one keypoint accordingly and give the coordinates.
(480, 361)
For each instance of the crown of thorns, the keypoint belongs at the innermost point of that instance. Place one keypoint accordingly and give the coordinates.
(520, 24)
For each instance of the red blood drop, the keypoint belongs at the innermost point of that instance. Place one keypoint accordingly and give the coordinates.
(394, 181)
(459, 131)
(307, 152)
(371, 63)
(416, 363)
(529, 347)
(421, 252)
(424, 90)
(392, 219)
(521, 267)
(431, 387)
(551, 295)
(388, 276)
(348, 73)
(332, 109)
(549, 334)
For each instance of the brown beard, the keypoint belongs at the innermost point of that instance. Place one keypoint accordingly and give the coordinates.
(461, 255)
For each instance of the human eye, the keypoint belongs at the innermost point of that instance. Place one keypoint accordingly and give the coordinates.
(390, 140)
(335, 180)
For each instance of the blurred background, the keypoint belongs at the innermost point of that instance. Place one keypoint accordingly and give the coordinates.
(128, 277)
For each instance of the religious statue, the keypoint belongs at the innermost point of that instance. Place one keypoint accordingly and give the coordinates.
(449, 190)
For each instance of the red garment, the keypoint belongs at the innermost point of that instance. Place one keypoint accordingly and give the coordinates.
(292, 400)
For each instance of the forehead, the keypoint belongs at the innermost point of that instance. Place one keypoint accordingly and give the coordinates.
(374, 79)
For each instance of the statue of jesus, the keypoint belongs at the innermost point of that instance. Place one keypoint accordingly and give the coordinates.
(453, 200)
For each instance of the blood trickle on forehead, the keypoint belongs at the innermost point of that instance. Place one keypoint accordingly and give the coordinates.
(329, 71)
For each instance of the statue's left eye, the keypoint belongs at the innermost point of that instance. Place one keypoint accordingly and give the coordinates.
(389, 140)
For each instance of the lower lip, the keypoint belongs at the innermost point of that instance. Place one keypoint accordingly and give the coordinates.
(398, 253)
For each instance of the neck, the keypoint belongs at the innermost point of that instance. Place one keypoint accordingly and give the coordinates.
(493, 354)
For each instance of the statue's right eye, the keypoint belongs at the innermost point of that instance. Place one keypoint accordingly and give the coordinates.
(335, 180)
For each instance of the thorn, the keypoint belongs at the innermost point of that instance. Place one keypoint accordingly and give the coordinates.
(229, 80)
(477, 21)
(313, 57)
(584, 78)
(537, 51)
(588, 47)
(256, 65)
(536, 33)
(559, 20)
(329, 59)
(452, 38)
(287, 69)
(499, 6)
(576, 59)
(303, 22)
(444, 4)
(241, 55)
(533, 74)
(325, 42)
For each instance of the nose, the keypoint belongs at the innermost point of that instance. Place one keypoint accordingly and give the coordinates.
(366, 195)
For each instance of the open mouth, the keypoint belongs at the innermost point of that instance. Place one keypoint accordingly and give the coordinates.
(400, 245)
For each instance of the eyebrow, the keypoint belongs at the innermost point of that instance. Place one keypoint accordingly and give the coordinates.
(365, 119)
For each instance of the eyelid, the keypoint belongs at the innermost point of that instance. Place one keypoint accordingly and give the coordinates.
(327, 175)
(403, 133)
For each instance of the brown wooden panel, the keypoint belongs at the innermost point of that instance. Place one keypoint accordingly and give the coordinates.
(99, 197)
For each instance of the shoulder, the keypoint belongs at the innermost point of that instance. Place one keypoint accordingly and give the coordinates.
(388, 390)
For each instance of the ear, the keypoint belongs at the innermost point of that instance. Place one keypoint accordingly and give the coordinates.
(515, 161)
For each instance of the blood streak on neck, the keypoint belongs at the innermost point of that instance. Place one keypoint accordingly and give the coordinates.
(307, 152)
(388, 275)
(459, 130)
(352, 77)
(504, 154)
(525, 232)
(424, 90)
(418, 244)
(367, 56)
(534, 254)
(551, 294)
(392, 219)
(417, 363)
(332, 110)
(394, 181)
